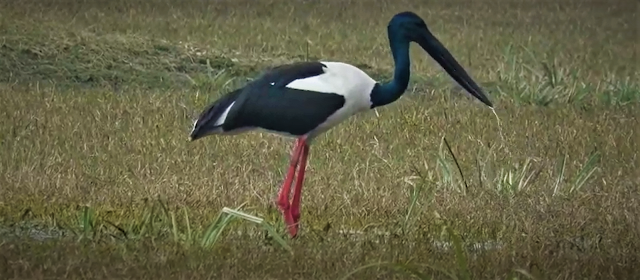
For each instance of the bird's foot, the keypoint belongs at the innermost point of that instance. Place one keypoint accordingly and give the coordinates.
(295, 214)
(290, 222)
(293, 230)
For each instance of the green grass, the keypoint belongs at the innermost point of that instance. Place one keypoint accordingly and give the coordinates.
(99, 181)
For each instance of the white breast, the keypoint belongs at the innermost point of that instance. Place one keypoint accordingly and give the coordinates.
(344, 79)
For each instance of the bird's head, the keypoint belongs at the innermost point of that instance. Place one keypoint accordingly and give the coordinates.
(409, 27)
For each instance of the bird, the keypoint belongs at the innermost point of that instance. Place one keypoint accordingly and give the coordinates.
(302, 100)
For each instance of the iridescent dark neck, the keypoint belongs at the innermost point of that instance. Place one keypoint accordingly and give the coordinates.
(383, 94)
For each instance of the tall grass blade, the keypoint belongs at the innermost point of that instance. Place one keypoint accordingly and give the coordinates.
(445, 169)
(560, 178)
(118, 228)
(415, 193)
(466, 187)
(585, 172)
(242, 215)
(524, 273)
(163, 208)
(215, 230)
(274, 234)
(87, 222)
(147, 221)
(270, 229)
(188, 224)
(479, 173)
(174, 227)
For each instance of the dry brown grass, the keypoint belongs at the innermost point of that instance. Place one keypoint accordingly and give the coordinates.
(99, 98)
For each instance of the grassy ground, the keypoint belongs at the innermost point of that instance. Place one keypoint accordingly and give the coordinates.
(98, 179)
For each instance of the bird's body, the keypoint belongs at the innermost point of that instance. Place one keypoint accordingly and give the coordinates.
(295, 100)
(304, 99)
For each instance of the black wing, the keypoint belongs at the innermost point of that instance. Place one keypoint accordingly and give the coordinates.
(283, 75)
(205, 123)
(215, 109)
(267, 103)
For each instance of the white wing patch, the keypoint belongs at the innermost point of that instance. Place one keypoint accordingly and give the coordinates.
(194, 125)
(220, 119)
(343, 79)
(224, 114)
(320, 83)
(339, 78)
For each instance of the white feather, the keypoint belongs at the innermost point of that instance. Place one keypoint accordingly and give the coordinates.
(223, 117)
(219, 121)
(344, 79)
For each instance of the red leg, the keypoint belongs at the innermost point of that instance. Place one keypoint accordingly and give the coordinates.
(295, 204)
(283, 197)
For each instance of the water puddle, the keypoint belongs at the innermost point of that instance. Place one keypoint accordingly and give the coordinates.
(33, 231)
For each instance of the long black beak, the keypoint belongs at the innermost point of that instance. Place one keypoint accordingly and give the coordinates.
(432, 46)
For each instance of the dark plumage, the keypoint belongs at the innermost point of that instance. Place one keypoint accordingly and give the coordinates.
(267, 103)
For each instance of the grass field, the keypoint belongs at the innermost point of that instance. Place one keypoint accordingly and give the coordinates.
(99, 181)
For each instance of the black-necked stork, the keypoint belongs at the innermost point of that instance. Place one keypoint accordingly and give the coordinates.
(305, 99)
